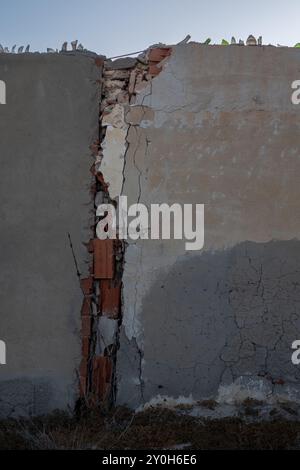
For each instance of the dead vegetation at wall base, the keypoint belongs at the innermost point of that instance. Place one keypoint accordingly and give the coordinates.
(155, 428)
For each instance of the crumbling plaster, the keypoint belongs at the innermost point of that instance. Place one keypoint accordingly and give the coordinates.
(114, 148)
(217, 127)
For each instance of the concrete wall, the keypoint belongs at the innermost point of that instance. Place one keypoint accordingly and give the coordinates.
(216, 127)
(46, 126)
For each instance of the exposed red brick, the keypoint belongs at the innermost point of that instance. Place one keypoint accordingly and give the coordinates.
(159, 53)
(154, 70)
(94, 148)
(108, 370)
(102, 375)
(101, 180)
(99, 61)
(87, 285)
(110, 298)
(85, 346)
(104, 260)
(83, 369)
(82, 385)
(83, 377)
(86, 307)
(86, 326)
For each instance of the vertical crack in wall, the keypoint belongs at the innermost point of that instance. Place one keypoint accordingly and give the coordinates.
(101, 311)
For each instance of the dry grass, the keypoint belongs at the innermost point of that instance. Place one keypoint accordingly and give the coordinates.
(152, 429)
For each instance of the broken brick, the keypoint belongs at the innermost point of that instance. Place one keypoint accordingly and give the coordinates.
(159, 53)
(116, 74)
(86, 326)
(83, 376)
(83, 368)
(82, 385)
(86, 307)
(85, 347)
(154, 70)
(87, 285)
(104, 260)
(110, 298)
(123, 97)
(100, 178)
(99, 61)
(94, 148)
(102, 375)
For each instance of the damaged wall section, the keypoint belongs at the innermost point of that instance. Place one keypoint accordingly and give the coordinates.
(190, 124)
(122, 81)
(215, 127)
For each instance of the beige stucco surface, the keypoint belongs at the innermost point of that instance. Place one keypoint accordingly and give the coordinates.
(217, 128)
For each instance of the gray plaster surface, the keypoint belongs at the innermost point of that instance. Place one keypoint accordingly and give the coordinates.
(46, 127)
(216, 127)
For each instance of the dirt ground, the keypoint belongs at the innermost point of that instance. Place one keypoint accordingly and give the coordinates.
(155, 428)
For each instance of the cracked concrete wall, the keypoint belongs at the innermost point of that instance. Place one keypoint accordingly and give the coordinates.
(215, 127)
(46, 127)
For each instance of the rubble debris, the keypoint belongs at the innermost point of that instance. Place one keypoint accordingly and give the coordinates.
(64, 47)
(120, 64)
(121, 80)
(251, 41)
(74, 45)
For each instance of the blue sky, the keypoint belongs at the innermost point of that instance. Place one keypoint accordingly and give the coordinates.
(114, 27)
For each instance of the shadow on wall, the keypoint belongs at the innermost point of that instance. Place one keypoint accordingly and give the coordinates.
(218, 316)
